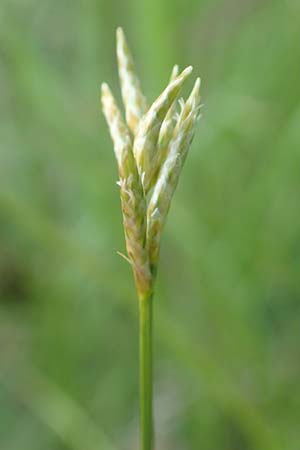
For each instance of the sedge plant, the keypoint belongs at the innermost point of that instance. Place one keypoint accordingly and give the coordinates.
(150, 147)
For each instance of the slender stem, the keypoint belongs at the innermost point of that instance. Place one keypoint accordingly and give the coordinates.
(146, 414)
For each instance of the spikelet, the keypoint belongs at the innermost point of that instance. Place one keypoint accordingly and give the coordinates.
(169, 174)
(134, 101)
(165, 133)
(145, 142)
(150, 162)
(168, 124)
(131, 191)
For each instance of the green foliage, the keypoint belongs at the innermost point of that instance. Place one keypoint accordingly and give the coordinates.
(227, 302)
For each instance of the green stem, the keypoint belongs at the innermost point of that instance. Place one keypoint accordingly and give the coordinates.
(146, 414)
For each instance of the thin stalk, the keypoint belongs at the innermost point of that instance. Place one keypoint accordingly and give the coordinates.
(146, 378)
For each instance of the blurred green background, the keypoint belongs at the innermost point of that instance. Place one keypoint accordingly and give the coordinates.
(227, 308)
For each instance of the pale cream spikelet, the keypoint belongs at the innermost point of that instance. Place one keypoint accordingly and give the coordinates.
(131, 192)
(169, 174)
(118, 131)
(166, 132)
(133, 98)
(187, 119)
(168, 125)
(146, 139)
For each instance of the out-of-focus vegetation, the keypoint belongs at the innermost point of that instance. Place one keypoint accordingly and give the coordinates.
(227, 309)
